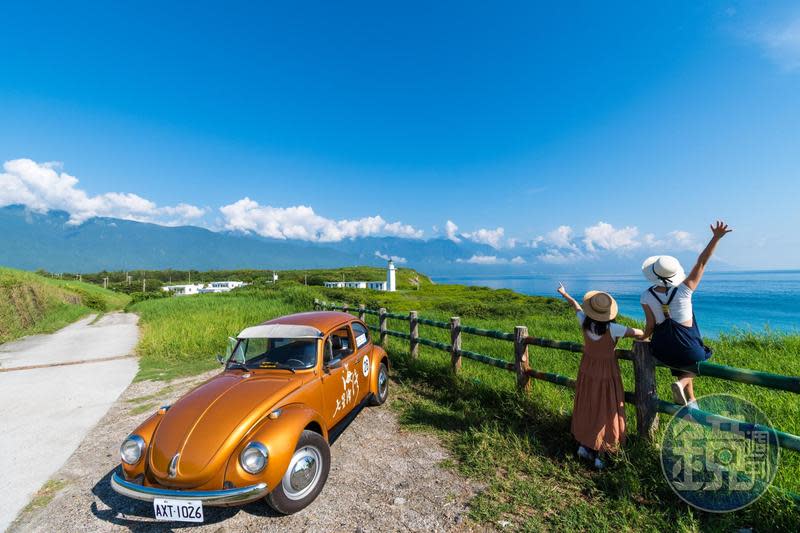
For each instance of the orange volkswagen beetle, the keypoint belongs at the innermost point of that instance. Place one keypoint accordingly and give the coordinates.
(259, 428)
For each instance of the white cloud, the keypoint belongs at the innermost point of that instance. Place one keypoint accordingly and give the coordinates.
(561, 237)
(492, 237)
(781, 42)
(43, 187)
(451, 230)
(301, 222)
(396, 258)
(480, 259)
(606, 237)
(677, 240)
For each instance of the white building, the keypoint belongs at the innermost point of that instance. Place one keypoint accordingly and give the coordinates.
(389, 285)
(222, 286)
(200, 288)
(183, 290)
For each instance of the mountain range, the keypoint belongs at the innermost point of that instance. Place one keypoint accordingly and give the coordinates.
(33, 240)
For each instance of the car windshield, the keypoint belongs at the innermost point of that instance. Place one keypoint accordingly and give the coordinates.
(295, 354)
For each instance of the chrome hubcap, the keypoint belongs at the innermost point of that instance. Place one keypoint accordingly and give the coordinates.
(303, 473)
(383, 382)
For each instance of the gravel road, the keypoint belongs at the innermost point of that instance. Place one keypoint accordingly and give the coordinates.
(382, 478)
(53, 389)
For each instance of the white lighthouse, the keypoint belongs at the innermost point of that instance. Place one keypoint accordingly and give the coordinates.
(391, 282)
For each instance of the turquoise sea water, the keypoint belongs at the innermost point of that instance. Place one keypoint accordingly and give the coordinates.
(724, 302)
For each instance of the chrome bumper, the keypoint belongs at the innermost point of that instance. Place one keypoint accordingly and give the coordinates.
(208, 497)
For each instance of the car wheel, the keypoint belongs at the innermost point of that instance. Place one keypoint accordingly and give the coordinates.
(383, 386)
(305, 476)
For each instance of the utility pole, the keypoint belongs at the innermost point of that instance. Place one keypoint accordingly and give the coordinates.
(305, 279)
(127, 278)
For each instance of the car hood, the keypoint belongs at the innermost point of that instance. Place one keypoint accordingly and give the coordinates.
(206, 425)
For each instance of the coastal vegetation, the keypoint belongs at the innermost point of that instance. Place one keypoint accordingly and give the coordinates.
(517, 445)
(31, 303)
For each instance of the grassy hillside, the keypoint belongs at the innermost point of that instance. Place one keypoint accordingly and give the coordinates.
(30, 303)
(519, 446)
(155, 279)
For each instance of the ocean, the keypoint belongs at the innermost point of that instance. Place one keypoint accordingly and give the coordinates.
(724, 302)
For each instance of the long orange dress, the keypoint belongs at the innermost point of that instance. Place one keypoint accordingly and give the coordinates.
(598, 416)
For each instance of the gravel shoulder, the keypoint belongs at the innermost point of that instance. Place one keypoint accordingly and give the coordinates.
(382, 478)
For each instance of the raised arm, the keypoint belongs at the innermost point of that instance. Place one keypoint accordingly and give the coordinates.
(572, 301)
(718, 230)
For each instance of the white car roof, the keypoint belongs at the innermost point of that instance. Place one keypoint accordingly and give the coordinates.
(280, 331)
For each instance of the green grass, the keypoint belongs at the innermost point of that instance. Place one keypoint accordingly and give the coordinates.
(182, 335)
(518, 445)
(45, 494)
(30, 303)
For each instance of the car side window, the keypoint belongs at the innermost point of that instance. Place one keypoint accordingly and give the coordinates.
(340, 343)
(361, 333)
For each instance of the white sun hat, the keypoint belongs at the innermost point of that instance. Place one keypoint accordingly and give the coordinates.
(663, 269)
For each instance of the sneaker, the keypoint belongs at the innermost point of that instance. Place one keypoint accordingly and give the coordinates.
(585, 453)
(678, 396)
(599, 464)
(692, 405)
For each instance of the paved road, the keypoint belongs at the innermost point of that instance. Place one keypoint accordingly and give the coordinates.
(47, 407)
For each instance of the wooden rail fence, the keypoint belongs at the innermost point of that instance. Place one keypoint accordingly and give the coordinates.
(644, 397)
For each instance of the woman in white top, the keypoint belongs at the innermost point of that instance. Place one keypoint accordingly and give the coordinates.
(675, 337)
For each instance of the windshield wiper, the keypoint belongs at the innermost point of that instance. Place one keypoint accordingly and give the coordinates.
(273, 364)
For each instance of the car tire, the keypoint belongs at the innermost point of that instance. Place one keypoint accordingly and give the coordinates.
(306, 475)
(383, 386)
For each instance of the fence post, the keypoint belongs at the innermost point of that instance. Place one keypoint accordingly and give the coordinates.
(455, 342)
(644, 372)
(521, 358)
(362, 314)
(413, 329)
(382, 327)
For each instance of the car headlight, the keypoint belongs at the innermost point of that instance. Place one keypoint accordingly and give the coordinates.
(132, 449)
(254, 457)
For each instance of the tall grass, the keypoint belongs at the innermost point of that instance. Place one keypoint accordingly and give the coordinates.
(182, 335)
(30, 303)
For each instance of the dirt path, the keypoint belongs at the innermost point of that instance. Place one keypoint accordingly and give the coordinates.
(53, 389)
(382, 479)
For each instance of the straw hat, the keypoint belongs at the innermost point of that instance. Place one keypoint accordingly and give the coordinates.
(663, 269)
(600, 306)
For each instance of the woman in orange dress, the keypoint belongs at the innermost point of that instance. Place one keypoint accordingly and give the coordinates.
(598, 415)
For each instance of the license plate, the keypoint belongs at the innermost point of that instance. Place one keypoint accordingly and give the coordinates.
(178, 510)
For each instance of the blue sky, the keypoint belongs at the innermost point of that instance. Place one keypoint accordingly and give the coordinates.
(397, 118)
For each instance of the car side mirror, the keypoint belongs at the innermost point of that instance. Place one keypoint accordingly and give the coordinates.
(220, 359)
